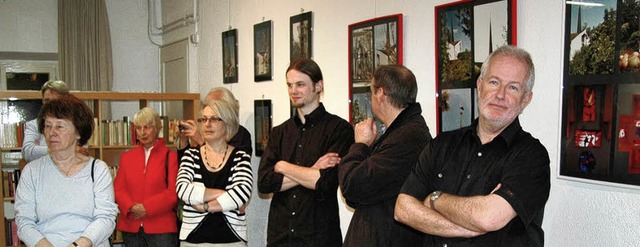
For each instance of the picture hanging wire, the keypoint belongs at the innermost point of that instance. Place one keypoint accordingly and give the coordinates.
(375, 8)
(229, 13)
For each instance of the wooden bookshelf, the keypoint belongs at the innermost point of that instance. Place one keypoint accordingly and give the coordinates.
(190, 107)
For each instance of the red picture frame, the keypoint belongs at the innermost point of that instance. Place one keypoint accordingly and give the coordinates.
(372, 43)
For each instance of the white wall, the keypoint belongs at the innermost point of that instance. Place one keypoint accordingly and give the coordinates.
(577, 213)
(21, 32)
(32, 26)
(135, 58)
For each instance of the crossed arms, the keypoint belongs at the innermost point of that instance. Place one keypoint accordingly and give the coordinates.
(455, 216)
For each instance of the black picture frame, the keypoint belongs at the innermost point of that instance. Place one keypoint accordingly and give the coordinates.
(600, 131)
(466, 33)
(262, 123)
(262, 50)
(301, 36)
(230, 56)
(372, 43)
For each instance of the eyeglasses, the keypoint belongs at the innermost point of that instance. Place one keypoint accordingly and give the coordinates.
(207, 120)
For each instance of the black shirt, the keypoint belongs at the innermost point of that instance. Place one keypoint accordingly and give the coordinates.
(214, 222)
(242, 140)
(300, 216)
(371, 178)
(457, 163)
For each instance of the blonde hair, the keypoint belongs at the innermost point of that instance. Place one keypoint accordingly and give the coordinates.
(225, 111)
(147, 116)
(57, 86)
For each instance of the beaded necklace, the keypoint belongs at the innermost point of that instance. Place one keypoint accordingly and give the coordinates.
(206, 160)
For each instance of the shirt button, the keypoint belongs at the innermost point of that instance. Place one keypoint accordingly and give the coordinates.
(303, 129)
(293, 213)
(292, 230)
(440, 175)
(300, 145)
(294, 196)
(444, 245)
(479, 154)
(468, 176)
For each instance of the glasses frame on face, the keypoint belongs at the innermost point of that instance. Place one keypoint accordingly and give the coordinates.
(205, 120)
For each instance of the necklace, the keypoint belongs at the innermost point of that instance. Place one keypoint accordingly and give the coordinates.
(206, 160)
(68, 170)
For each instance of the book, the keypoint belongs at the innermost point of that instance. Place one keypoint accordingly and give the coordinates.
(15, 241)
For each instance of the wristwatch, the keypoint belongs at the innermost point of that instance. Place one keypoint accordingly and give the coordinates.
(433, 197)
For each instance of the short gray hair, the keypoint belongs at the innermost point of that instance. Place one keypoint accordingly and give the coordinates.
(57, 86)
(226, 96)
(517, 53)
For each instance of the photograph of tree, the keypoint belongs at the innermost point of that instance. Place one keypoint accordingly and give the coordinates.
(361, 55)
(262, 123)
(262, 51)
(372, 43)
(230, 56)
(591, 38)
(629, 60)
(300, 31)
(455, 48)
(467, 32)
(601, 93)
(361, 106)
(386, 45)
(456, 107)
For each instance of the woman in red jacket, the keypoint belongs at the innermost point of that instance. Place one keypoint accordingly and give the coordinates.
(145, 187)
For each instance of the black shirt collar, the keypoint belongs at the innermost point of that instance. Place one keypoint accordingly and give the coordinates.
(405, 115)
(313, 117)
(508, 135)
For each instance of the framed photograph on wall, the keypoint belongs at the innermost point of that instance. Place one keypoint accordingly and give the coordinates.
(372, 43)
(466, 33)
(301, 33)
(230, 56)
(262, 51)
(262, 111)
(600, 140)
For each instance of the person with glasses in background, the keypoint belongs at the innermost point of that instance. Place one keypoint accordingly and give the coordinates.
(215, 182)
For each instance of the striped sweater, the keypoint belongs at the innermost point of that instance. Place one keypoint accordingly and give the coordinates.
(190, 189)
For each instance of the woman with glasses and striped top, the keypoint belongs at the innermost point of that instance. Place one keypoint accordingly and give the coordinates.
(215, 182)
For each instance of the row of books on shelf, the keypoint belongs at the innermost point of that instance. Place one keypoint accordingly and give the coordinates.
(114, 133)
(12, 135)
(11, 231)
(10, 182)
(123, 132)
